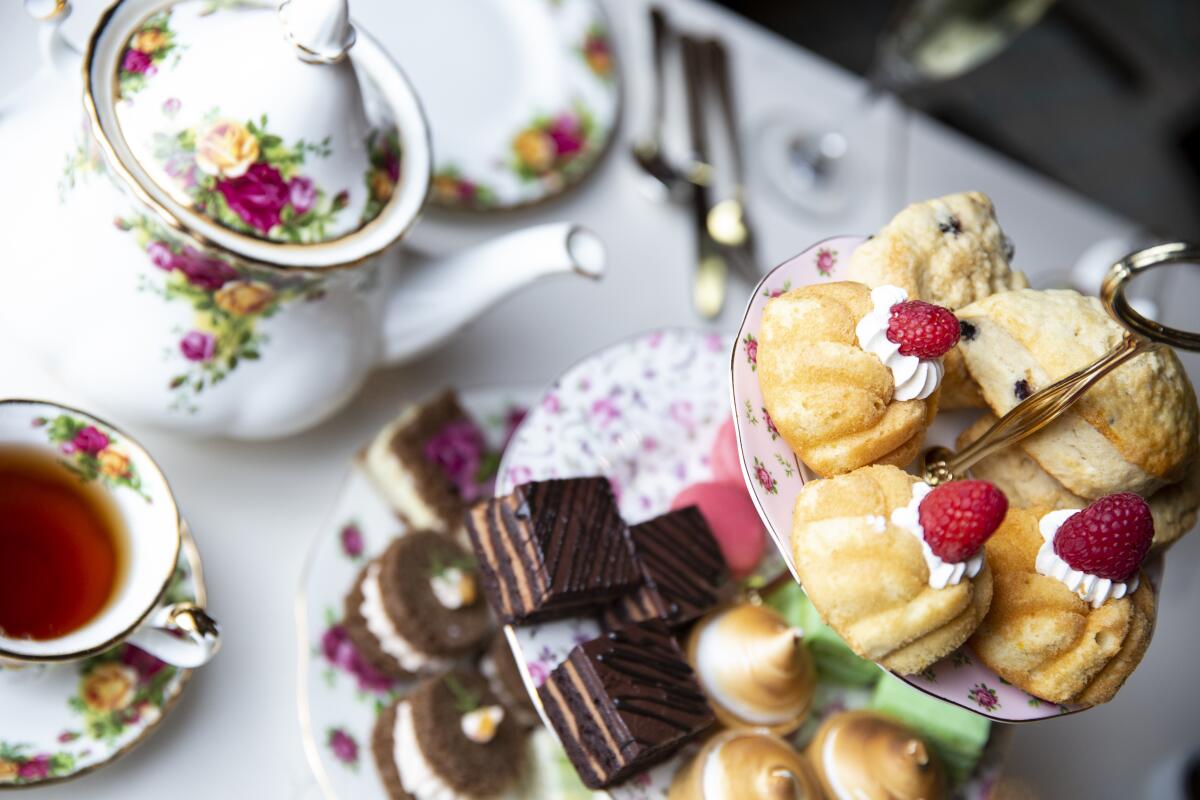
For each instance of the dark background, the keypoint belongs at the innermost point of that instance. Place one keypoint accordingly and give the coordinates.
(1101, 95)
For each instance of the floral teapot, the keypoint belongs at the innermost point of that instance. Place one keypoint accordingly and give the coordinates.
(218, 255)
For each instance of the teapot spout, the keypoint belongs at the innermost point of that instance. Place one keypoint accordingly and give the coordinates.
(58, 53)
(435, 299)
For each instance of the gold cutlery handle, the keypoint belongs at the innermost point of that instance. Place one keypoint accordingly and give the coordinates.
(1044, 406)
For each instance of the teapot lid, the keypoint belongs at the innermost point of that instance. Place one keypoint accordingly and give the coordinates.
(279, 134)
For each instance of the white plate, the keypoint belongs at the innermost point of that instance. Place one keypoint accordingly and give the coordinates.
(502, 79)
(338, 696)
(63, 721)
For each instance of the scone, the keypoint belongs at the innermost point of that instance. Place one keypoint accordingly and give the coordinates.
(1174, 506)
(850, 375)
(1134, 430)
(948, 251)
(1071, 614)
(894, 567)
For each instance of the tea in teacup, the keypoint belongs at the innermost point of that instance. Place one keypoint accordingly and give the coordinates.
(63, 546)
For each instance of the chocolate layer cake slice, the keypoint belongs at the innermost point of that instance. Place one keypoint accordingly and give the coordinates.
(684, 574)
(551, 549)
(430, 463)
(624, 701)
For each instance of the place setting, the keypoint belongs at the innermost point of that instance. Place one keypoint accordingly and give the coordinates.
(102, 595)
(909, 506)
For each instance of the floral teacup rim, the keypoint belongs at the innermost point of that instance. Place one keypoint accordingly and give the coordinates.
(95, 451)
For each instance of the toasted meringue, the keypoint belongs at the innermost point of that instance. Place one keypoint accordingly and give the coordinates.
(865, 755)
(745, 765)
(754, 668)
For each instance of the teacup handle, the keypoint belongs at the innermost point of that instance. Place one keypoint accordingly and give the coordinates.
(182, 634)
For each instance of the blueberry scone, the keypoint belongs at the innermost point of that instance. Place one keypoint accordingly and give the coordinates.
(895, 567)
(1174, 507)
(1071, 613)
(1134, 430)
(850, 375)
(949, 251)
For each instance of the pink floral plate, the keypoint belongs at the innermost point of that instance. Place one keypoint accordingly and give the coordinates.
(523, 98)
(63, 721)
(644, 413)
(339, 696)
(774, 475)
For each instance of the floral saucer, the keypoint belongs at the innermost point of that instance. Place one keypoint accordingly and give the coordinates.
(774, 475)
(644, 413)
(339, 695)
(522, 97)
(64, 721)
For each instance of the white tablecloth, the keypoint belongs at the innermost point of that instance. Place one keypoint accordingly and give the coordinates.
(255, 507)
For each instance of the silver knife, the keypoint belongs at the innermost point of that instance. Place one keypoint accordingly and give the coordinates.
(728, 222)
(710, 282)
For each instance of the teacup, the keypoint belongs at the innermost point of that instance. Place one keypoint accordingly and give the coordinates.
(112, 468)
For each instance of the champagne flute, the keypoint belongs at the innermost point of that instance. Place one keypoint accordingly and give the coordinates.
(925, 42)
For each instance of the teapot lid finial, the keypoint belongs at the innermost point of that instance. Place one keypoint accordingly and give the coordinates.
(320, 30)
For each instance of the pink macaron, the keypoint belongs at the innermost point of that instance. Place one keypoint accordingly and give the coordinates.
(725, 460)
(734, 522)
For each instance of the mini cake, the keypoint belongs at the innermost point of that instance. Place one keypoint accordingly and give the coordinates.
(624, 701)
(861, 754)
(948, 251)
(894, 567)
(416, 609)
(504, 679)
(850, 375)
(1071, 614)
(1174, 506)
(448, 738)
(754, 668)
(430, 463)
(745, 765)
(1134, 430)
(682, 570)
(552, 549)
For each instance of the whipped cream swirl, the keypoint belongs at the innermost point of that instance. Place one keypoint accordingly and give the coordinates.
(941, 573)
(915, 378)
(1091, 588)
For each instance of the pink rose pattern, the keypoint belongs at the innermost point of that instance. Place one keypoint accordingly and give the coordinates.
(343, 746)
(339, 652)
(228, 334)
(555, 149)
(984, 696)
(81, 444)
(147, 48)
(351, 539)
(826, 259)
(272, 199)
(750, 343)
(764, 477)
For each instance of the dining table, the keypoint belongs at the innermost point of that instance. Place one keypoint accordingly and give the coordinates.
(255, 506)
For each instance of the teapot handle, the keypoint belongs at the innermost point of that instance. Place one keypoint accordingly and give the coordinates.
(431, 301)
(57, 52)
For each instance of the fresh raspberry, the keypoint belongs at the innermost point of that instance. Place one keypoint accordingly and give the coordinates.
(922, 329)
(1109, 538)
(958, 517)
